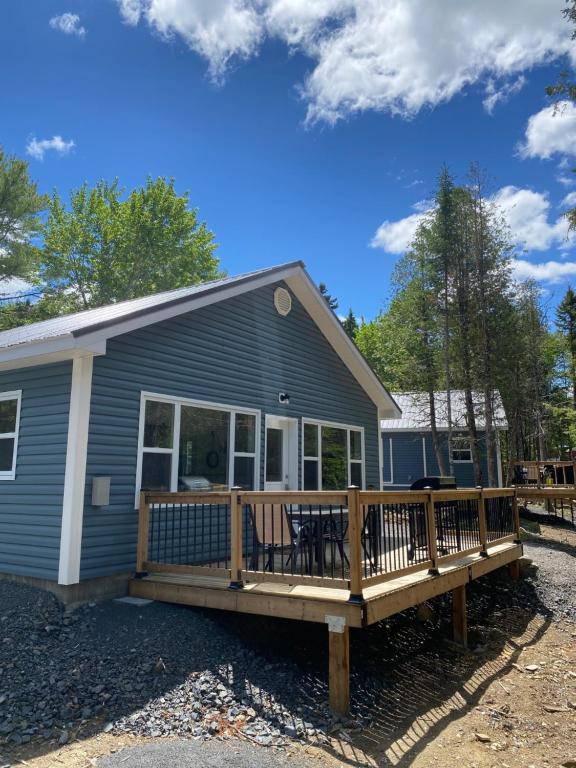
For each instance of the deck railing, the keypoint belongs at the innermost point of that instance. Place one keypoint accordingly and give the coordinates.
(347, 540)
(543, 474)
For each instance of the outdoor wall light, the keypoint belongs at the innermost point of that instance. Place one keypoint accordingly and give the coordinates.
(284, 398)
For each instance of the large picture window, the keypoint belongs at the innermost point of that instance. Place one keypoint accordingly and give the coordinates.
(186, 445)
(9, 425)
(332, 456)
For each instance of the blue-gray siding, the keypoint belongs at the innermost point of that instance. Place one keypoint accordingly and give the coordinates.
(408, 459)
(31, 505)
(238, 352)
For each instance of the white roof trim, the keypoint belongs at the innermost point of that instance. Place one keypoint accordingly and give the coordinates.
(68, 346)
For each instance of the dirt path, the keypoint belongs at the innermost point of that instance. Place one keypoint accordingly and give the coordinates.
(510, 701)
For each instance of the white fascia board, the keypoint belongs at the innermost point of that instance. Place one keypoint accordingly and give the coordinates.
(314, 303)
(195, 302)
(75, 473)
(54, 350)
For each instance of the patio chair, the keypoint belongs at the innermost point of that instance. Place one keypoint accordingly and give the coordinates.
(275, 534)
(335, 533)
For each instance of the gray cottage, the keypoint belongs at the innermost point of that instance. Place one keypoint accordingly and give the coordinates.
(407, 448)
(247, 381)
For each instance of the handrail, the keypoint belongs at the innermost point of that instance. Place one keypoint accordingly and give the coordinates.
(486, 518)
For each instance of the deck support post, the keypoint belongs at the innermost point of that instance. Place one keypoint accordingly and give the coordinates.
(338, 664)
(514, 570)
(459, 618)
(516, 515)
(235, 540)
(432, 534)
(143, 533)
(355, 526)
(482, 528)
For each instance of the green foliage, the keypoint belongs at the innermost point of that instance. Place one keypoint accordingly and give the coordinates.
(330, 300)
(104, 248)
(565, 87)
(350, 324)
(20, 206)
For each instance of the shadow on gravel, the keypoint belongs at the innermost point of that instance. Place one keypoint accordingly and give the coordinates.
(408, 679)
(558, 546)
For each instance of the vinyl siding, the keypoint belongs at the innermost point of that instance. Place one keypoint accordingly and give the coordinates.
(238, 352)
(31, 505)
(409, 461)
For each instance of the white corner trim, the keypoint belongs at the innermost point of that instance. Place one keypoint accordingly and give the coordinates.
(75, 475)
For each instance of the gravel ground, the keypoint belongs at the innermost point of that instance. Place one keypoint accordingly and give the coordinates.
(555, 579)
(193, 754)
(163, 670)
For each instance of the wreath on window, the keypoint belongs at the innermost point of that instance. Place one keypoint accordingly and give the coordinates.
(212, 459)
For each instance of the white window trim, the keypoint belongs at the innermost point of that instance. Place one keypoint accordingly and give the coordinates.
(391, 454)
(461, 461)
(14, 395)
(345, 427)
(178, 402)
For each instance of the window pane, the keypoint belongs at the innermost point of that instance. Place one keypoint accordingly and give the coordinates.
(310, 440)
(8, 410)
(355, 444)
(203, 447)
(244, 472)
(245, 439)
(356, 474)
(334, 459)
(310, 475)
(156, 471)
(274, 455)
(6, 454)
(158, 425)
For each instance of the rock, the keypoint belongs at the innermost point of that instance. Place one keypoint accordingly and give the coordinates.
(570, 763)
(64, 738)
(159, 666)
(483, 737)
(532, 668)
(554, 708)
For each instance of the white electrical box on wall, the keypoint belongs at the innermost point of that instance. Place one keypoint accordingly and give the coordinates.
(100, 491)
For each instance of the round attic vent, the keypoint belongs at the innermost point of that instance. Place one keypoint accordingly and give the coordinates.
(282, 301)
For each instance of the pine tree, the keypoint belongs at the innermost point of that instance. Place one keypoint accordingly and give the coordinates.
(330, 300)
(350, 324)
(566, 323)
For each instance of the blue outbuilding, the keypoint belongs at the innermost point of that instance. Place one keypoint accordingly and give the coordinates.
(407, 447)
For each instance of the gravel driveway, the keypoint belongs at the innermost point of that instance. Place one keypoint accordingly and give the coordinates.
(163, 670)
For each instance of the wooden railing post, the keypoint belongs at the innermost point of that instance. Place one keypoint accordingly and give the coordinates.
(431, 534)
(482, 529)
(516, 515)
(355, 524)
(143, 532)
(235, 539)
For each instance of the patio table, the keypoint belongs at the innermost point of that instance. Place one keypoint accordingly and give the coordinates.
(316, 520)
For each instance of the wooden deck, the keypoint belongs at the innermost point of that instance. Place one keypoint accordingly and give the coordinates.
(390, 551)
(313, 603)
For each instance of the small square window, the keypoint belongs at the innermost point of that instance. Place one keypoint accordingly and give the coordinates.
(461, 449)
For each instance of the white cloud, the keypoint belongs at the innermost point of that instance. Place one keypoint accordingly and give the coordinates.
(395, 236)
(500, 92)
(37, 148)
(13, 286)
(388, 55)
(547, 272)
(527, 214)
(551, 131)
(569, 201)
(69, 23)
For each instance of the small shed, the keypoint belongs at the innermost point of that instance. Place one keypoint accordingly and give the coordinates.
(407, 448)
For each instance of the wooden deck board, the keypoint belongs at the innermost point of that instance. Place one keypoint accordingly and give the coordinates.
(313, 603)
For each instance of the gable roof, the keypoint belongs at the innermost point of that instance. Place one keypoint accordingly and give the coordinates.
(86, 333)
(416, 411)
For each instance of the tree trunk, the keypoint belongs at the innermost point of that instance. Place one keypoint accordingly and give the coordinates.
(435, 436)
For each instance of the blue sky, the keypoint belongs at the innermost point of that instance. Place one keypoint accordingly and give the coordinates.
(310, 131)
